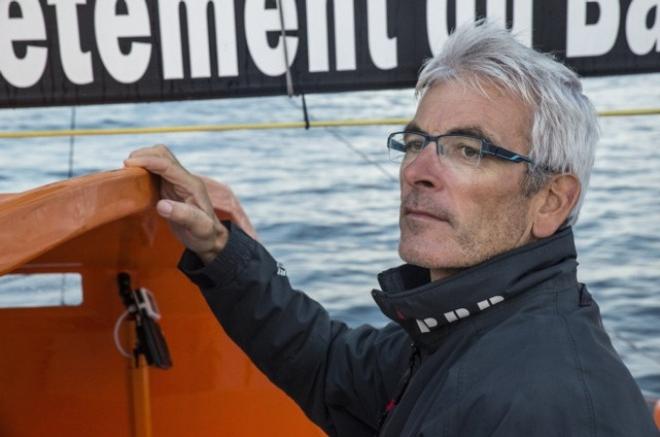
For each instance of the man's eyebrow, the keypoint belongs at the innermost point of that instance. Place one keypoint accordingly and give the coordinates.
(474, 131)
(413, 127)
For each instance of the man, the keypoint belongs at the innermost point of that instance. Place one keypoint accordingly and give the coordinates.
(492, 333)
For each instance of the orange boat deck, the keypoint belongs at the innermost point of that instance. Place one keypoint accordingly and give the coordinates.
(60, 373)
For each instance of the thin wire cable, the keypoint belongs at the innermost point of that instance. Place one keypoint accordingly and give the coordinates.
(305, 112)
(348, 144)
(72, 141)
(360, 153)
(289, 80)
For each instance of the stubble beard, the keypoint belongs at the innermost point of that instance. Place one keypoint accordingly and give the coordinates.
(470, 241)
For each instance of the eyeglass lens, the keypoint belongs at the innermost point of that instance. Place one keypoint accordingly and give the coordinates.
(455, 150)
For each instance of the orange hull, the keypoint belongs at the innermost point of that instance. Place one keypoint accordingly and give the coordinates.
(60, 373)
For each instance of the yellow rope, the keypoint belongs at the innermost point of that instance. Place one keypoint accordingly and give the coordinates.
(200, 128)
(256, 126)
(629, 112)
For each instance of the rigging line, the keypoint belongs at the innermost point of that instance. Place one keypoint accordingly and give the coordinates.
(289, 80)
(72, 141)
(252, 126)
(305, 112)
(363, 155)
(348, 144)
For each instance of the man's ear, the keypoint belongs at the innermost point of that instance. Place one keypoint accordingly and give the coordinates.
(554, 203)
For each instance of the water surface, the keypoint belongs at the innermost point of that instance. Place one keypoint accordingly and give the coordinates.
(325, 201)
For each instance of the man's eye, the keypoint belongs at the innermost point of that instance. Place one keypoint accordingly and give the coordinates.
(414, 146)
(469, 153)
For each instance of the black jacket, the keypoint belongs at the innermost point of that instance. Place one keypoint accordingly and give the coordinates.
(511, 347)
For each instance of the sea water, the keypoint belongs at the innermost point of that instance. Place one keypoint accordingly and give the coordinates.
(325, 201)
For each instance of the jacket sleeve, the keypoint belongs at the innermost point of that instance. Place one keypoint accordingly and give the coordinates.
(340, 377)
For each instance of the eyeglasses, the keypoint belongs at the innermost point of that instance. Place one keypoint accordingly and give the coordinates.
(457, 150)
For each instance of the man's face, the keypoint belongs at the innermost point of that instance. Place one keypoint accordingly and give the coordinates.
(453, 218)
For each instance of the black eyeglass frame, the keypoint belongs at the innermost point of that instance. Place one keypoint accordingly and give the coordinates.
(487, 147)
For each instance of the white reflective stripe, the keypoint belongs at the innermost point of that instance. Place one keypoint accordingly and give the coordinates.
(462, 313)
(451, 317)
(430, 322)
(422, 327)
(495, 299)
(483, 304)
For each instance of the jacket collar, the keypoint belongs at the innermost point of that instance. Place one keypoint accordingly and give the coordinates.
(423, 308)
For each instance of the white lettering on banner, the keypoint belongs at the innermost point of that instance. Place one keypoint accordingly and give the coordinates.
(345, 35)
(382, 48)
(259, 21)
(317, 35)
(641, 39)
(595, 39)
(466, 11)
(110, 27)
(436, 20)
(521, 25)
(77, 64)
(198, 38)
(26, 71)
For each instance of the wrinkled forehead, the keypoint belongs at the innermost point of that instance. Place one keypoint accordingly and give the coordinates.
(485, 85)
(478, 105)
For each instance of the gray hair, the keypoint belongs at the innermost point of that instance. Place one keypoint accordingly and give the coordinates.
(565, 124)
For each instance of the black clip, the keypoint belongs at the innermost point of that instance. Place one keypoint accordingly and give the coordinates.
(142, 306)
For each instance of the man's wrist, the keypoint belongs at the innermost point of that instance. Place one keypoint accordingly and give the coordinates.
(225, 265)
(219, 244)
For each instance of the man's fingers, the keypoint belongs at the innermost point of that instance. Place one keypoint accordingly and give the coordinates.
(182, 185)
(168, 169)
(185, 202)
(155, 164)
(189, 217)
(158, 159)
(158, 150)
(164, 208)
(199, 232)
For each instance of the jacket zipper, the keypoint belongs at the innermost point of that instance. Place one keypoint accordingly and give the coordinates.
(401, 387)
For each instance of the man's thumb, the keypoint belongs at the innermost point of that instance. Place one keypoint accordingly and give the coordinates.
(164, 208)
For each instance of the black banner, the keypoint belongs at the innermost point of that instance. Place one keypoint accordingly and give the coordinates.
(63, 52)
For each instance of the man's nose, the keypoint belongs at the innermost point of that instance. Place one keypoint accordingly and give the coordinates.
(425, 170)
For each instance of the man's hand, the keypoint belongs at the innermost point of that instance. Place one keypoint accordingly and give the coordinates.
(185, 202)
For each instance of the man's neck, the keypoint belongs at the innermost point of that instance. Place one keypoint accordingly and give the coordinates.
(437, 274)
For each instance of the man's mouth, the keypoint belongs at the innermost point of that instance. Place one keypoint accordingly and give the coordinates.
(422, 214)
